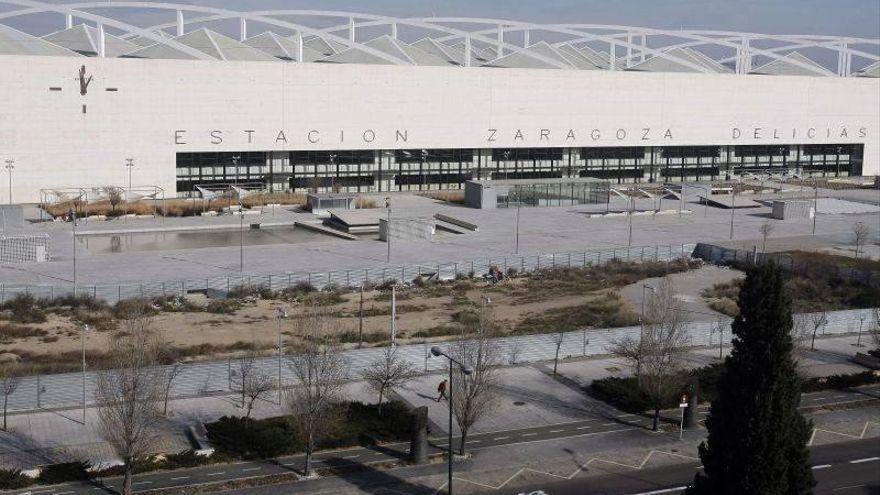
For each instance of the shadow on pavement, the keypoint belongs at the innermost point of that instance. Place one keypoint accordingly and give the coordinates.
(371, 480)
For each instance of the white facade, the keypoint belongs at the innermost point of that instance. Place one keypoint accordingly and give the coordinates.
(149, 110)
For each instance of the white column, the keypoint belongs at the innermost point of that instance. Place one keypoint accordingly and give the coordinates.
(612, 56)
(499, 48)
(467, 51)
(299, 46)
(181, 30)
(351, 29)
(242, 32)
(629, 50)
(102, 42)
(644, 45)
(68, 21)
(526, 39)
(394, 30)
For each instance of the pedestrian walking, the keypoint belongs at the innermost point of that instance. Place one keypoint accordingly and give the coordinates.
(441, 390)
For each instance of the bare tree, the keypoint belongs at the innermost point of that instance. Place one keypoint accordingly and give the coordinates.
(658, 355)
(860, 234)
(319, 370)
(252, 382)
(475, 395)
(514, 352)
(10, 376)
(170, 373)
(817, 320)
(766, 229)
(874, 328)
(114, 196)
(128, 394)
(557, 338)
(388, 372)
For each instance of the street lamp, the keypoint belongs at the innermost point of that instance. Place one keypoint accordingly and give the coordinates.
(72, 215)
(732, 210)
(235, 159)
(129, 164)
(10, 166)
(388, 230)
(240, 233)
(815, 204)
(467, 370)
(518, 205)
(85, 328)
(280, 314)
(632, 207)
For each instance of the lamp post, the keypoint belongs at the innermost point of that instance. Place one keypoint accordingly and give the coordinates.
(129, 164)
(235, 159)
(732, 211)
(280, 314)
(10, 166)
(518, 205)
(85, 328)
(240, 234)
(72, 215)
(388, 230)
(815, 205)
(632, 207)
(467, 370)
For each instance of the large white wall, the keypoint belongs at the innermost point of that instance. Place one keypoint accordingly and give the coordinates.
(55, 145)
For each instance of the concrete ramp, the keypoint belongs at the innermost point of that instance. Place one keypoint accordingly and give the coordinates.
(457, 222)
(325, 230)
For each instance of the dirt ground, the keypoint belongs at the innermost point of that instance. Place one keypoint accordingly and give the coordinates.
(530, 304)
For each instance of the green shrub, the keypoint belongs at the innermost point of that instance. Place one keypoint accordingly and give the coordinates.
(622, 393)
(350, 336)
(345, 425)
(12, 479)
(840, 381)
(24, 308)
(64, 472)
(79, 301)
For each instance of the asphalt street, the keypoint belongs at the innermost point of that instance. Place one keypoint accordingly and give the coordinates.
(366, 456)
(851, 468)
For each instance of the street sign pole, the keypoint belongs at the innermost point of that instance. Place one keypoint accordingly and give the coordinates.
(683, 404)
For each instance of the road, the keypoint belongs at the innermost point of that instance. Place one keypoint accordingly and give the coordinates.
(366, 456)
(851, 468)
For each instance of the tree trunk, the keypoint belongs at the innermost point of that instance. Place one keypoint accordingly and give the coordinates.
(5, 401)
(656, 424)
(126, 478)
(813, 340)
(308, 469)
(381, 396)
(556, 360)
(165, 408)
(464, 432)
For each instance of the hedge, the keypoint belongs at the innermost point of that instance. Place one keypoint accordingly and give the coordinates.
(356, 424)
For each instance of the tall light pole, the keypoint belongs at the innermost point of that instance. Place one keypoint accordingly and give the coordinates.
(235, 159)
(85, 328)
(732, 211)
(815, 205)
(518, 204)
(10, 166)
(467, 370)
(72, 215)
(240, 234)
(129, 164)
(280, 315)
(388, 229)
(632, 207)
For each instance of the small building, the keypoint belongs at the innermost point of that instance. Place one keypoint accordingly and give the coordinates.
(792, 210)
(320, 204)
(488, 194)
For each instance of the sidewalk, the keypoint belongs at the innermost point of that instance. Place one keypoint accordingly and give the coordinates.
(528, 397)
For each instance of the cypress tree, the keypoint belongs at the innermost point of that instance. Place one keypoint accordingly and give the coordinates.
(757, 442)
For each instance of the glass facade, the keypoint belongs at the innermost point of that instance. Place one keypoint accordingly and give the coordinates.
(432, 169)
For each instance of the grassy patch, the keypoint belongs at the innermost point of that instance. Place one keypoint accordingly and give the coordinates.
(605, 311)
(10, 332)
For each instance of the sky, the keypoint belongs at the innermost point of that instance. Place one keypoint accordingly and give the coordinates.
(828, 17)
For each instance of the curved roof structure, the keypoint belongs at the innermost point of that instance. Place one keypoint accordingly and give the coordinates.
(95, 28)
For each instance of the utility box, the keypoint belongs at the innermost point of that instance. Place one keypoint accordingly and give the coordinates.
(480, 194)
(792, 210)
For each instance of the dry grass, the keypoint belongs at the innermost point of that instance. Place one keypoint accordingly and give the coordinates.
(365, 203)
(173, 207)
(447, 196)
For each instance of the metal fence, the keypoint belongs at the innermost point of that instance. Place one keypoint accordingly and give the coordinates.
(353, 277)
(214, 378)
(24, 249)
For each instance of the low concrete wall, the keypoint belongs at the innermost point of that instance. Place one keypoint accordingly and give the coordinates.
(406, 229)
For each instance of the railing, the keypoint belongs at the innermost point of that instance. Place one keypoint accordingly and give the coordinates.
(214, 378)
(351, 278)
